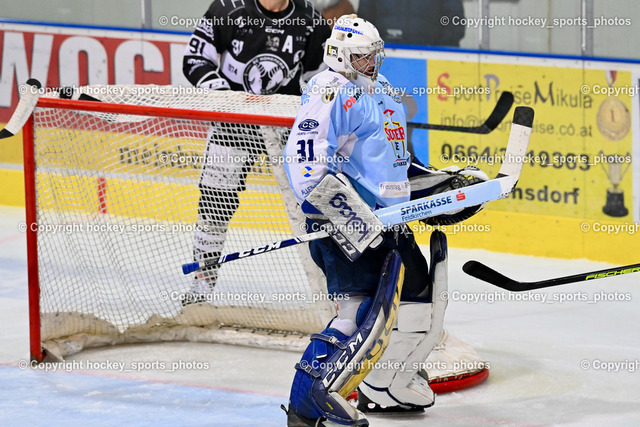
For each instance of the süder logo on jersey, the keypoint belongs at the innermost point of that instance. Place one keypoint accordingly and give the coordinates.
(308, 124)
(394, 133)
(396, 136)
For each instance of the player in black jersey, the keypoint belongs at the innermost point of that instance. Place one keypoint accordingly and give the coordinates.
(257, 46)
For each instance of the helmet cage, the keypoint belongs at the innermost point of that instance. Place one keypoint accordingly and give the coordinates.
(365, 60)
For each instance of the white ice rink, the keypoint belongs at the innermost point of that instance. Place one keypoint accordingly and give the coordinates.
(574, 363)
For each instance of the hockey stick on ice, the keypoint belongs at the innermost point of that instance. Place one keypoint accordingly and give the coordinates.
(489, 275)
(497, 115)
(438, 204)
(24, 109)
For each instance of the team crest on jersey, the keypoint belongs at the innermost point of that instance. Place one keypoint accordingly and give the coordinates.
(396, 135)
(264, 74)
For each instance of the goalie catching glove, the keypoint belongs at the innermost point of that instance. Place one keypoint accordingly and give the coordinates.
(427, 181)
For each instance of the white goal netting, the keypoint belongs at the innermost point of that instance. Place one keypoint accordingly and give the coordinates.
(117, 200)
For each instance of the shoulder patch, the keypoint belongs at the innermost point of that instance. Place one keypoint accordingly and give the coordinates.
(329, 94)
(391, 91)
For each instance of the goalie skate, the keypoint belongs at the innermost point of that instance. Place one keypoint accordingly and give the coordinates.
(452, 365)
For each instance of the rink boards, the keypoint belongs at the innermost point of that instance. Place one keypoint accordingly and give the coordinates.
(563, 207)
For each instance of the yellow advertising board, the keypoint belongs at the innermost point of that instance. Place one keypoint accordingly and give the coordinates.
(580, 149)
(575, 195)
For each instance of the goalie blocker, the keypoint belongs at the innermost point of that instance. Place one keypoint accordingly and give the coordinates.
(352, 223)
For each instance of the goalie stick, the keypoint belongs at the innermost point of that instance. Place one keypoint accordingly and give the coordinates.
(497, 115)
(438, 204)
(489, 275)
(413, 210)
(24, 109)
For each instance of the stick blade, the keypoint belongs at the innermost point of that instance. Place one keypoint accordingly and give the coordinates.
(519, 137)
(480, 271)
(499, 113)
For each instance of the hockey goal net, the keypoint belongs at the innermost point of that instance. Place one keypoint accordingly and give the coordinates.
(112, 198)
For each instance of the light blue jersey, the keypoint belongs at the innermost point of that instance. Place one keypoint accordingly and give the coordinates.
(340, 128)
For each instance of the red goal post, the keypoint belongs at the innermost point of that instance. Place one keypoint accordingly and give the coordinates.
(109, 226)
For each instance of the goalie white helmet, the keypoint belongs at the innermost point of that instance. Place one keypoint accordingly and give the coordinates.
(355, 49)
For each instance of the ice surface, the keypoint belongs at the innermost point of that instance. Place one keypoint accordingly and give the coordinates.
(547, 359)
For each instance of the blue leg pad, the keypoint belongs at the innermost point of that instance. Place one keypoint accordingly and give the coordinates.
(334, 364)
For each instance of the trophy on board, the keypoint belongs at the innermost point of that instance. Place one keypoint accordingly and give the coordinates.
(615, 172)
(614, 123)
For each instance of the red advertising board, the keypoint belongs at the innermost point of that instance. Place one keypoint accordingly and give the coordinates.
(66, 56)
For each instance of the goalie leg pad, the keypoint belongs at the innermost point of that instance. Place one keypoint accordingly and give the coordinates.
(399, 380)
(333, 365)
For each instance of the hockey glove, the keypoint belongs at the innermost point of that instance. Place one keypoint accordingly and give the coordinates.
(429, 181)
(217, 84)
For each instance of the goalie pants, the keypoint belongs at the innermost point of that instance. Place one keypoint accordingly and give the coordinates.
(361, 277)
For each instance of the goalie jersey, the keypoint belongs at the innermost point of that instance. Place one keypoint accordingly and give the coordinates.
(255, 50)
(339, 128)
